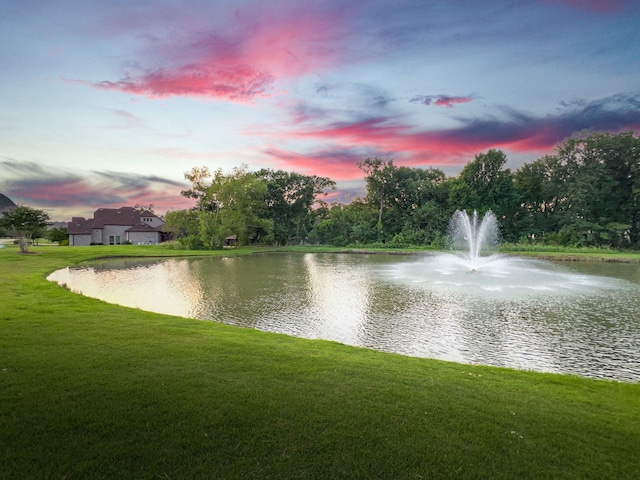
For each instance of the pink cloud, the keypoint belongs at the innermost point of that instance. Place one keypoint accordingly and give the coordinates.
(445, 101)
(242, 61)
(512, 131)
(236, 84)
(383, 135)
(337, 164)
(441, 100)
(406, 144)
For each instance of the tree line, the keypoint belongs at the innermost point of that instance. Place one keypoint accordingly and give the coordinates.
(585, 194)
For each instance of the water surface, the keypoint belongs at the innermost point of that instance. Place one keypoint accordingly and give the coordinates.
(578, 318)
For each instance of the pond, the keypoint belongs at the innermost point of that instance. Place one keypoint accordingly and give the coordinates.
(577, 318)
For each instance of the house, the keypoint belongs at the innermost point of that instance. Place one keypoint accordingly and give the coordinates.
(114, 226)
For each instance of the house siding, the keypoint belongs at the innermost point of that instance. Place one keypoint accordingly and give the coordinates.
(80, 240)
(153, 221)
(144, 238)
(114, 231)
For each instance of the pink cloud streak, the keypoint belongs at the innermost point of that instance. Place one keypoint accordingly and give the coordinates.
(441, 100)
(337, 164)
(235, 84)
(243, 63)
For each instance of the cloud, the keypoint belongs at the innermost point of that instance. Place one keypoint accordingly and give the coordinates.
(240, 83)
(125, 120)
(336, 163)
(393, 136)
(441, 100)
(67, 194)
(241, 61)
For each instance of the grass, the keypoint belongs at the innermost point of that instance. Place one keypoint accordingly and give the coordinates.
(593, 254)
(91, 390)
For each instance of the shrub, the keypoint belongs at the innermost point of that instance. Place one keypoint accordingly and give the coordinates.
(191, 242)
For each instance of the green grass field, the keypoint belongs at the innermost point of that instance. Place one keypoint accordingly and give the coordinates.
(90, 390)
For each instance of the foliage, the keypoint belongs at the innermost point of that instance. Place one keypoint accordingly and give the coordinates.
(243, 208)
(24, 222)
(586, 194)
(182, 223)
(57, 234)
(289, 202)
(484, 184)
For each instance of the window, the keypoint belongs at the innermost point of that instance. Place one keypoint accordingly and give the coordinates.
(114, 240)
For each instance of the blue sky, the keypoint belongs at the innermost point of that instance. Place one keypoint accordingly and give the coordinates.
(106, 104)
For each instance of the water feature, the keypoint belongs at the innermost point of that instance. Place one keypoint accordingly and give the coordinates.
(579, 318)
(473, 242)
(472, 237)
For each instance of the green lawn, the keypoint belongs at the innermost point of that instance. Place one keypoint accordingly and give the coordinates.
(90, 390)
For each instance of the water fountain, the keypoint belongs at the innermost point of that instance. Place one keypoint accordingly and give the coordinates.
(473, 238)
(473, 242)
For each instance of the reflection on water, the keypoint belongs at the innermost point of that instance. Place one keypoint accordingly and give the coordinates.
(577, 318)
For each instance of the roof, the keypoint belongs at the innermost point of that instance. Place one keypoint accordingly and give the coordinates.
(143, 227)
(115, 216)
(80, 226)
(123, 216)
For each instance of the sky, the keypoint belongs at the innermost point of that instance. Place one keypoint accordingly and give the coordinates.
(108, 104)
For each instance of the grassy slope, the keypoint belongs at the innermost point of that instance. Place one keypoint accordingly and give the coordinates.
(91, 390)
(573, 254)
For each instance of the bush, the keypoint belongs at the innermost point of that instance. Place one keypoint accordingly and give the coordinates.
(191, 242)
(64, 243)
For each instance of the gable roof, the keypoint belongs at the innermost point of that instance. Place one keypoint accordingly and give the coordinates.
(143, 227)
(79, 226)
(115, 216)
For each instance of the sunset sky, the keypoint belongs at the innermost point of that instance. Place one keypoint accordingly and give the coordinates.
(107, 104)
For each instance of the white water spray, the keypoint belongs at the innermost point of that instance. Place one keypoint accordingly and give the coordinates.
(472, 237)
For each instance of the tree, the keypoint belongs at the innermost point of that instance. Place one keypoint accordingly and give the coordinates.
(290, 202)
(350, 224)
(57, 234)
(377, 173)
(409, 190)
(483, 185)
(602, 172)
(144, 207)
(184, 226)
(24, 221)
(230, 204)
(586, 194)
(198, 176)
(542, 189)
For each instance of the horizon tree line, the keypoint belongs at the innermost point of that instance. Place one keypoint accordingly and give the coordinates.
(585, 194)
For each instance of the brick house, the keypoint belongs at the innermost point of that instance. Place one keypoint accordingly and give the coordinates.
(114, 226)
